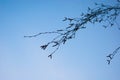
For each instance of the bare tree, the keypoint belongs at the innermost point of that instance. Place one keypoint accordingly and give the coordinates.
(103, 14)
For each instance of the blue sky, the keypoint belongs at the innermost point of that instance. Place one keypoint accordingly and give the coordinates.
(83, 58)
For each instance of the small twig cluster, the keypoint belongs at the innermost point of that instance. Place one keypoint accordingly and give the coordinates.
(102, 13)
(111, 56)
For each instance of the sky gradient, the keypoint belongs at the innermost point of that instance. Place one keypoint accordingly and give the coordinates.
(82, 58)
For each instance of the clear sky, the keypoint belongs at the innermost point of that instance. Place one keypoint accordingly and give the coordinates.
(83, 58)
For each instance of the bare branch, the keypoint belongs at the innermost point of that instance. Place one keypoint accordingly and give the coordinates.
(111, 56)
(101, 14)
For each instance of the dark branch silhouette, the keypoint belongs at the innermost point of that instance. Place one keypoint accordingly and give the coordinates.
(111, 56)
(103, 14)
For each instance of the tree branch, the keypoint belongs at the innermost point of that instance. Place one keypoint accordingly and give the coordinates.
(101, 14)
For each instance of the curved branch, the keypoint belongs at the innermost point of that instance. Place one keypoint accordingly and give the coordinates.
(102, 13)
